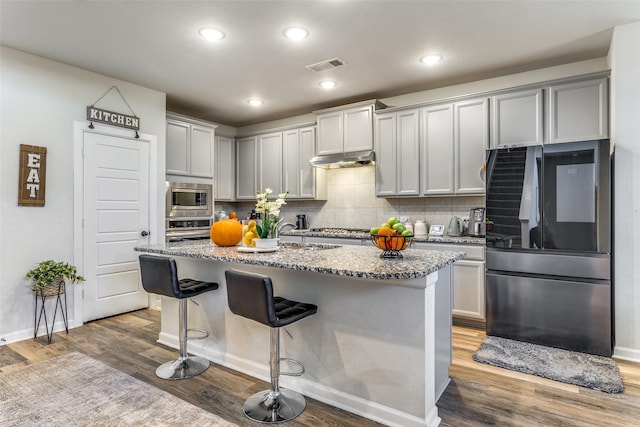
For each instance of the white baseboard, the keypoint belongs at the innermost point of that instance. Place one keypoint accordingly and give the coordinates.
(626, 353)
(348, 402)
(26, 334)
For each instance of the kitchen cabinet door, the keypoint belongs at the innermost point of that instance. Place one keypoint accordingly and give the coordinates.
(189, 148)
(225, 180)
(578, 111)
(309, 179)
(408, 153)
(437, 157)
(291, 163)
(468, 279)
(330, 134)
(358, 128)
(300, 179)
(246, 168)
(385, 147)
(517, 118)
(270, 162)
(201, 152)
(469, 289)
(178, 147)
(471, 139)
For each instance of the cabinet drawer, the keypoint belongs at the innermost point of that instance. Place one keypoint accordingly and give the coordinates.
(473, 252)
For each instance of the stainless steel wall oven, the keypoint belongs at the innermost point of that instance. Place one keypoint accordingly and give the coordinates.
(189, 207)
(549, 245)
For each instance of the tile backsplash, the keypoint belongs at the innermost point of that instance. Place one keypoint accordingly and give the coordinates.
(352, 203)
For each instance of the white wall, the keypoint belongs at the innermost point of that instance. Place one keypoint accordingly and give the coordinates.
(625, 125)
(40, 100)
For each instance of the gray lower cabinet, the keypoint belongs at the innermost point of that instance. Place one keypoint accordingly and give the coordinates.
(517, 118)
(246, 168)
(453, 143)
(397, 146)
(468, 277)
(225, 180)
(578, 111)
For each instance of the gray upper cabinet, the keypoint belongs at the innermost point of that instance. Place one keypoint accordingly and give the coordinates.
(225, 180)
(437, 161)
(471, 139)
(246, 168)
(578, 111)
(270, 162)
(517, 118)
(189, 148)
(346, 128)
(453, 143)
(397, 146)
(299, 176)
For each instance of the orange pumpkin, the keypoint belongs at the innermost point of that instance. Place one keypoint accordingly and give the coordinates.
(226, 232)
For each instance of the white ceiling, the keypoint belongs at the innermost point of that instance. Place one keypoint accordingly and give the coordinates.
(156, 44)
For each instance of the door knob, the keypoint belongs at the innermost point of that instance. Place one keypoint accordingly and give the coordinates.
(145, 233)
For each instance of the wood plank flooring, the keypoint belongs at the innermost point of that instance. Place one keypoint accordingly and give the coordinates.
(478, 395)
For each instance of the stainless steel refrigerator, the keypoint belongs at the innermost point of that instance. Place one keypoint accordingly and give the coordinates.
(548, 240)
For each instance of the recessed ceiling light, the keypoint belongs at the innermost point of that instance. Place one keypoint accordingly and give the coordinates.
(296, 33)
(431, 59)
(328, 84)
(255, 102)
(212, 34)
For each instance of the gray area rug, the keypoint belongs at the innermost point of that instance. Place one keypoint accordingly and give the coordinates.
(76, 390)
(585, 370)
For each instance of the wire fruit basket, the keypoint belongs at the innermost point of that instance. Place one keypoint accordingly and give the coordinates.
(391, 246)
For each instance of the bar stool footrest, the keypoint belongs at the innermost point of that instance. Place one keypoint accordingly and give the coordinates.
(203, 334)
(295, 362)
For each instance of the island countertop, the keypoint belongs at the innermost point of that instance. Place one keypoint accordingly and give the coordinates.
(353, 261)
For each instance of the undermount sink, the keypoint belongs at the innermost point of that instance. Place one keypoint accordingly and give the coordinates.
(307, 246)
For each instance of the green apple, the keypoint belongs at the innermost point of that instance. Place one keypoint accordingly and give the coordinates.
(393, 220)
(374, 230)
(399, 227)
(407, 233)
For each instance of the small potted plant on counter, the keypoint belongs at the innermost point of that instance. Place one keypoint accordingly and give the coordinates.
(48, 277)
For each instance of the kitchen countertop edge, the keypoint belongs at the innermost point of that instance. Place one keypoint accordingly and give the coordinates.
(345, 260)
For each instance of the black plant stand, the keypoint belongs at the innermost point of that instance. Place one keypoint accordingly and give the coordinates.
(41, 294)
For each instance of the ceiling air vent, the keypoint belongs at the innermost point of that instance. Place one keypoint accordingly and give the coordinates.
(325, 65)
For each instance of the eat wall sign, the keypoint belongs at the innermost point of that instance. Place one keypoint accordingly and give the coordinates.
(32, 175)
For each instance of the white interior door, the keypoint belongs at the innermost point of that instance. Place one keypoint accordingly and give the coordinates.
(116, 215)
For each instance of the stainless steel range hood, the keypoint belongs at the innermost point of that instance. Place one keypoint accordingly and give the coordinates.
(344, 160)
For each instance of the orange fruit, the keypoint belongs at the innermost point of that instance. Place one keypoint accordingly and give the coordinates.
(233, 215)
(386, 231)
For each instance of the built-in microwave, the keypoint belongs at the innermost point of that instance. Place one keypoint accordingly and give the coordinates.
(186, 199)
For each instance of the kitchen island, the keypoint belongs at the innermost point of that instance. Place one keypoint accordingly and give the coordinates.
(379, 346)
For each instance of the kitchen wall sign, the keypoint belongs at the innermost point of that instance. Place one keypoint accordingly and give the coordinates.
(32, 175)
(111, 118)
(99, 115)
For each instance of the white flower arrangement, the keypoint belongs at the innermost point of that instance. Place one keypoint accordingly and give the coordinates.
(270, 211)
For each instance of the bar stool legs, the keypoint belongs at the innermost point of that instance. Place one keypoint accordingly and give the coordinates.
(185, 366)
(275, 405)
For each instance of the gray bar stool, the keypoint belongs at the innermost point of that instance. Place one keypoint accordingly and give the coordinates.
(160, 276)
(251, 296)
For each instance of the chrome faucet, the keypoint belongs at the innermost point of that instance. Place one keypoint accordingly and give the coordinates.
(283, 225)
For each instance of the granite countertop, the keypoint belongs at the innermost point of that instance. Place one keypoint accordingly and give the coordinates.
(458, 240)
(342, 260)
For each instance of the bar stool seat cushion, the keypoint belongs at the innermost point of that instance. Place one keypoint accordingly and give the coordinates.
(251, 296)
(159, 276)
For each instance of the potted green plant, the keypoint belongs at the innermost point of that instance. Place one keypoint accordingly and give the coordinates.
(48, 276)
